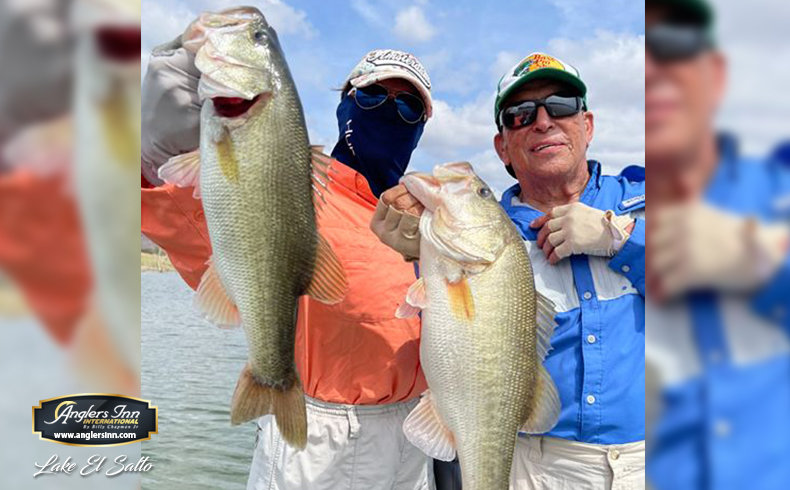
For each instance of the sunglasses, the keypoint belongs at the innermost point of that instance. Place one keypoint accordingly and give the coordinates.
(524, 113)
(668, 42)
(410, 107)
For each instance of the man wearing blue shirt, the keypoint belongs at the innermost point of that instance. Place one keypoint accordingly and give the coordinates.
(719, 263)
(585, 235)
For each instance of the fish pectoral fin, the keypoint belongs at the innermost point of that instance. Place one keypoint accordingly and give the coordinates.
(182, 170)
(545, 410)
(416, 300)
(329, 284)
(426, 430)
(252, 399)
(546, 311)
(462, 303)
(213, 301)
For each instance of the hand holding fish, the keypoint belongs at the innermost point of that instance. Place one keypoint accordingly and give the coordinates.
(170, 107)
(580, 229)
(397, 221)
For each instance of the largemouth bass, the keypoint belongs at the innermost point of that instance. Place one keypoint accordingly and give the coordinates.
(255, 180)
(485, 330)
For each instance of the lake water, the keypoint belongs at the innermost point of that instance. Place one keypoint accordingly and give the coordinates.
(189, 370)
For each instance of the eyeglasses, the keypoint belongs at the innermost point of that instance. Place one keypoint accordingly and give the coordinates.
(410, 107)
(524, 113)
(670, 42)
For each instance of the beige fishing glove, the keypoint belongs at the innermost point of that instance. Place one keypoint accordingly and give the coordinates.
(695, 246)
(580, 229)
(170, 108)
(396, 222)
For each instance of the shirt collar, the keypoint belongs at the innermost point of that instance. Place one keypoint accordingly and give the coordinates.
(727, 168)
(522, 214)
(510, 198)
(352, 180)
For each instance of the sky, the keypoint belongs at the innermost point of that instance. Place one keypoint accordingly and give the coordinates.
(465, 46)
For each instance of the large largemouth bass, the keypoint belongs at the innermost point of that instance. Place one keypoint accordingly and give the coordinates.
(255, 182)
(485, 330)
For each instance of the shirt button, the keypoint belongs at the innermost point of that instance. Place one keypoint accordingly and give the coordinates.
(722, 428)
(625, 268)
(591, 339)
(587, 295)
(590, 399)
(614, 454)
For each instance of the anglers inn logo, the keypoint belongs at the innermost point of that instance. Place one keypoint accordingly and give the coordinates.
(95, 419)
(383, 57)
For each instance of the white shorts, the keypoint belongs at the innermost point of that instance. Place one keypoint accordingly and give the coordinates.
(558, 464)
(349, 447)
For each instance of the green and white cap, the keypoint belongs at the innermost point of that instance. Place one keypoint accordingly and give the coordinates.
(537, 66)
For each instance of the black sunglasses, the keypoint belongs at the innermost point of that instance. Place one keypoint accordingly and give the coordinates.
(524, 113)
(676, 42)
(410, 107)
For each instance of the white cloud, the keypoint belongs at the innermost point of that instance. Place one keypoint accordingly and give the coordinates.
(412, 26)
(286, 19)
(367, 11)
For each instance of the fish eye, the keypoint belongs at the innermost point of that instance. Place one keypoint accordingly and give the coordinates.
(260, 35)
(484, 192)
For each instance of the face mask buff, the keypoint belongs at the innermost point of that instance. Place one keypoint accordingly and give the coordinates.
(376, 142)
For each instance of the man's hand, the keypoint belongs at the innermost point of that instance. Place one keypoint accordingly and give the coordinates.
(170, 107)
(695, 246)
(579, 229)
(397, 221)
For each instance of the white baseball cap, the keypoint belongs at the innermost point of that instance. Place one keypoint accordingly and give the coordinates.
(381, 64)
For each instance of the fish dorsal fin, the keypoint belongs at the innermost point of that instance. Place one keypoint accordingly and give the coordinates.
(183, 171)
(545, 323)
(425, 429)
(213, 301)
(329, 284)
(416, 300)
(462, 303)
(320, 178)
(545, 410)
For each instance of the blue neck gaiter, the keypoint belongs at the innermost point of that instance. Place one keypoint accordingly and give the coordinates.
(377, 143)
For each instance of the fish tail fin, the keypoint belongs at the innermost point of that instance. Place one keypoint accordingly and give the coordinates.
(251, 399)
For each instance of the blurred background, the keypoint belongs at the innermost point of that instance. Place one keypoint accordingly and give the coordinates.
(718, 261)
(69, 222)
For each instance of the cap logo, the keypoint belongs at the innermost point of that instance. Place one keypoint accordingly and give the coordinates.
(402, 60)
(536, 62)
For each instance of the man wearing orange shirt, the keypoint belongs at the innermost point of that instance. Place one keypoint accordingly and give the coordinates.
(359, 365)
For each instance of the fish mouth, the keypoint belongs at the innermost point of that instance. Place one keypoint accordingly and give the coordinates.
(231, 107)
(425, 187)
(119, 43)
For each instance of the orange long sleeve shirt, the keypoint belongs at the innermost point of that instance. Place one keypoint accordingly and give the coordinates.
(354, 352)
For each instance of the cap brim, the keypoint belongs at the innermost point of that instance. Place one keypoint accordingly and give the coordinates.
(543, 74)
(698, 12)
(377, 76)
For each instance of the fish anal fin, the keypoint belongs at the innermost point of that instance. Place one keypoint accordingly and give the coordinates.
(416, 300)
(213, 301)
(252, 399)
(329, 284)
(545, 410)
(426, 430)
(462, 303)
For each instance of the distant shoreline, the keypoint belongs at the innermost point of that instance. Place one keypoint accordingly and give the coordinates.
(156, 262)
